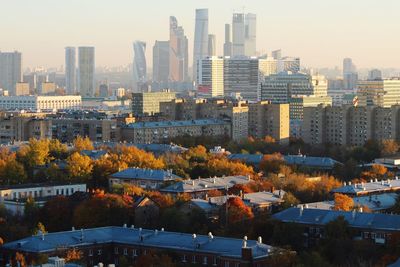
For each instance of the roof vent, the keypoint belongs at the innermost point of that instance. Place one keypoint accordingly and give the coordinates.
(162, 229)
(301, 210)
(125, 225)
(259, 240)
(73, 229)
(210, 236)
(132, 226)
(156, 232)
(194, 236)
(245, 242)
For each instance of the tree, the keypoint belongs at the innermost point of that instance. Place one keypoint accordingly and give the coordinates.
(135, 157)
(40, 229)
(389, 147)
(377, 172)
(35, 153)
(73, 255)
(289, 201)
(237, 210)
(20, 259)
(82, 143)
(271, 163)
(104, 167)
(343, 202)
(57, 150)
(79, 167)
(31, 211)
(56, 214)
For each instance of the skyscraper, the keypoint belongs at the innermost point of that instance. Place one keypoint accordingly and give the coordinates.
(350, 75)
(238, 34)
(86, 68)
(70, 70)
(200, 49)
(10, 70)
(161, 61)
(228, 42)
(212, 44)
(139, 64)
(210, 78)
(250, 35)
(178, 52)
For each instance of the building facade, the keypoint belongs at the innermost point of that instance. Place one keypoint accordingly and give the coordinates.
(161, 61)
(178, 52)
(210, 77)
(149, 103)
(40, 102)
(200, 49)
(10, 70)
(139, 66)
(384, 93)
(70, 70)
(86, 68)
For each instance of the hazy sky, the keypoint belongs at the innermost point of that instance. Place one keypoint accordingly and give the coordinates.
(321, 32)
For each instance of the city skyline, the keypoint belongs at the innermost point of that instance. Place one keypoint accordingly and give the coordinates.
(308, 30)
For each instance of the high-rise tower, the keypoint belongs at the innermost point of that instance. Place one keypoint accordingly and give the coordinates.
(70, 70)
(86, 68)
(10, 70)
(200, 48)
(178, 52)
(139, 64)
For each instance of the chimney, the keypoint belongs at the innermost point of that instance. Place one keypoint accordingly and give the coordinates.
(210, 236)
(244, 242)
(301, 210)
(247, 253)
(73, 229)
(259, 240)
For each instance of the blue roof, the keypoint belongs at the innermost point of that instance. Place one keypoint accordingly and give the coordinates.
(378, 221)
(253, 159)
(220, 246)
(94, 154)
(315, 162)
(159, 124)
(145, 174)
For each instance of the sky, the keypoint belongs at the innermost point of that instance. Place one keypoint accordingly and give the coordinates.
(320, 32)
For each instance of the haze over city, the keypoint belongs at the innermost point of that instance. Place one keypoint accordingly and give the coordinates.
(321, 33)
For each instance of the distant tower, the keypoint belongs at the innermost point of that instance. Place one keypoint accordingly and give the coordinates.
(70, 70)
(201, 42)
(178, 52)
(10, 70)
(86, 69)
(139, 64)
(250, 35)
(238, 34)
(161, 61)
(228, 42)
(350, 75)
(212, 43)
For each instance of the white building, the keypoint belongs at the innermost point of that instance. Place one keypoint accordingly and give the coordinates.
(37, 103)
(210, 78)
(384, 93)
(14, 197)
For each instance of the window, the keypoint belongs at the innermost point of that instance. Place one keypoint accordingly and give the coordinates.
(116, 250)
(90, 252)
(205, 260)
(125, 251)
(99, 252)
(184, 258)
(134, 253)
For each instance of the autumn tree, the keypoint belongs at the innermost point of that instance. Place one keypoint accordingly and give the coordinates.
(11, 171)
(73, 255)
(237, 210)
(135, 157)
(20, 259)
(79, 167)
(56, 213)
(82, 143)
(377, 171)
(219, 166)
(104, 167)
(271, 163)
(343, 202)
(198, 153)
(35, 153)
(389, 147)
(57, 150)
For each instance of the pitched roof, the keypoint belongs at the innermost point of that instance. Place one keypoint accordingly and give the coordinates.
(147, 174)
(378, 221)
(205, 184)
(221, 246)
(371, 187)
(253, 159)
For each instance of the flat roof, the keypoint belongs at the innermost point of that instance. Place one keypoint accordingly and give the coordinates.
(34, 185)
(161, 124)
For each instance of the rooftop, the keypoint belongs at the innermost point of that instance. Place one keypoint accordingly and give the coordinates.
(161, 124)
(253, 159)
(220, 246)
(368, 188)
(34, 185)
(316, 162)
(205, 184)
(377, 221)
(147, 174)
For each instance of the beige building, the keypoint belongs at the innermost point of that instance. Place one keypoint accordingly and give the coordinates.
(22, 89)
(210, 77)
(383, 93)
(156, 132)
(149, 103)
(266, 119)
(47, 88)
(349, 125)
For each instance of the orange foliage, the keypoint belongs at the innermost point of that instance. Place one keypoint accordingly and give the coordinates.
(214, 193)
(240, 188)
(20, 258)
(134, 157)
(73, 255)
(163, 200)
(238, 211)
(271, 163)
(343, 202)
(220, 166)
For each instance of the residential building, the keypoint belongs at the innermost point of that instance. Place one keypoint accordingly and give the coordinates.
(10, 70)
(178, 52)
(86, 68)
(107, 244)
(370, 188)
(145, 178)
(37, 103)
(14, 197)
(148, 103)
(198, 188)
(201, 41)
(161, 61)
(310, 162)
(266, 119)
(156, 132)
(210, 76)
(139, 66)
(70, 70)
(384, 93)
(375, 74)
(22, 89)
(375, 227)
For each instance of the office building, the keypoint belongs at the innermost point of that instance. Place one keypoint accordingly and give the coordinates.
(156, 132)
(10, 70)
(250, 35)
(178, 52)
(242, 76)
(70, 70)
(212, 45)
(291, 64)
(103, 90)
(350, 75)
(161, 61)
(228, 41)
(40, 102)
(86, 68)
(268, 66)
(148, 103)
(47, 88)
(210, 78)
(139, 66)
(22, 88)
(201, 42)
(277, 54)
(266, 119)
(375, 74)
(238, 35)
(384, 93)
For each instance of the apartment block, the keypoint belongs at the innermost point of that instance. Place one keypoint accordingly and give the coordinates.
(149, 103)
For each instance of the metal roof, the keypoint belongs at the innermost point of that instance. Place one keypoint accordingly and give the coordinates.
(145, 174)
(371, 187)
(316, 162)
(253, 159)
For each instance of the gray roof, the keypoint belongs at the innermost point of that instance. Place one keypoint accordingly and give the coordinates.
(94, 154)
(262, 198)
(312, 162)
(163, 124)
(220, 246)
(252, 159)
(161, 148)
(205, 184)
(368, 188)
(373, 202)
(145, 174)
(377, 221)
